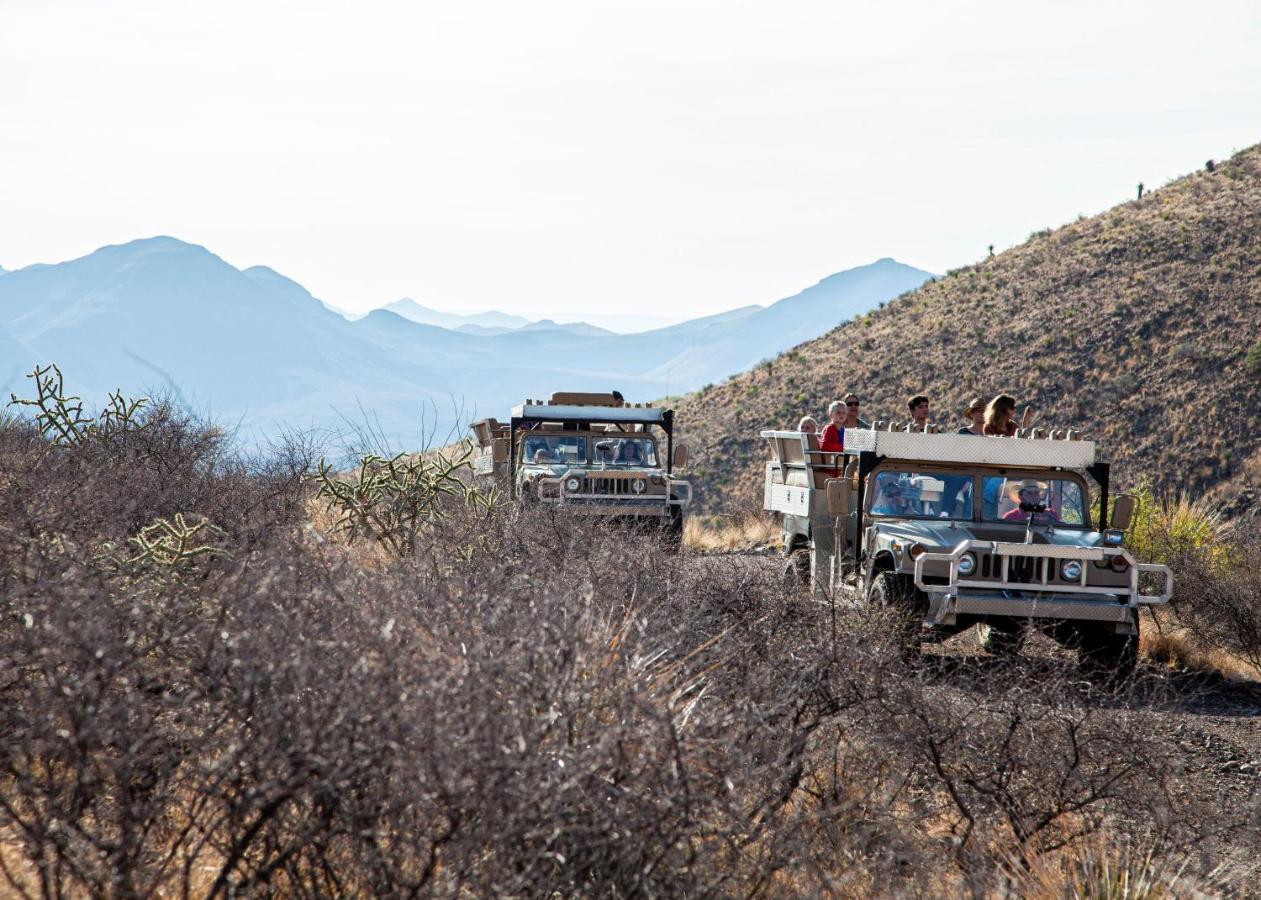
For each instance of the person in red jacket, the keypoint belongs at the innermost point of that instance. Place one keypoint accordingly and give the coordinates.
(833, 438)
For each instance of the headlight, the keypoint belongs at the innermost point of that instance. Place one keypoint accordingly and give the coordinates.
(967, 564)
(1071, 570)
(914, 550)
(638, 486)
(572, 485)
(1119, 563)
(1113, 537)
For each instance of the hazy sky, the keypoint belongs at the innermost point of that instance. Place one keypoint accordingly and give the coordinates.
(670, 158)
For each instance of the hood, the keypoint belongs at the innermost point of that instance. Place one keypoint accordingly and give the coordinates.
(944, 533)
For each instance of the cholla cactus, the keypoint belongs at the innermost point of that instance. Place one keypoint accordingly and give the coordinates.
(175, 545)
(393, 500)
(61, 417)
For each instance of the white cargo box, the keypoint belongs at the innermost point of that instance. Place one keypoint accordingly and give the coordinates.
(969, 448)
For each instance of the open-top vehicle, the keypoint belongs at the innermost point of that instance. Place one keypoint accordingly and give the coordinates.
(591, 454)
(960, 530)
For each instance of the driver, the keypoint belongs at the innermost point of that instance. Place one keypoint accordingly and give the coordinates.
(1031, 495)
(891, 502)
(630, 452)
(542, 457)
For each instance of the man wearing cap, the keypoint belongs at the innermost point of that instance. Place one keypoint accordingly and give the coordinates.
(1030, 496)
(975, 415)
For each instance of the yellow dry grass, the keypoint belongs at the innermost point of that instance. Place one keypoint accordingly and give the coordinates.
(730, 533)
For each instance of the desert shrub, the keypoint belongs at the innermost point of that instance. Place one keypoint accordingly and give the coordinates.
(1170, 528)
(523, 704)
(1252, 359)
(1216, 595)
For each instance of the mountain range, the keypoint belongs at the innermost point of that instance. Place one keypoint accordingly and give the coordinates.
(256, 351)
(1140, 325)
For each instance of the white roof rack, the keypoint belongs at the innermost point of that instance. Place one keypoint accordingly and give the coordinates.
(969, 448)
(564, 412)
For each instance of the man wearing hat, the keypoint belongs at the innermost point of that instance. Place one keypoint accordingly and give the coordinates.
(975, 415)
(1030, 494)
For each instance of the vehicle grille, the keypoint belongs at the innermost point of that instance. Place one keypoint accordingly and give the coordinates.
(611, 487)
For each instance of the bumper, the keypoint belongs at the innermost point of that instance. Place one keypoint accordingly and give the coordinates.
(1001, 596)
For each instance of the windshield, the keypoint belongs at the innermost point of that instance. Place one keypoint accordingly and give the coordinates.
(936, 495)
(626, 452)
(554, 450)
(1048, 500)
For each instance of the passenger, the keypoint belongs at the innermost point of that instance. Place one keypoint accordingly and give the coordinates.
(975, 416)
(891, 502)
(918, 405)
(852, 405)
(808, 425)
(629, 452)
(1000, 416)
(1031, 494)
(833, 438)
(618, 399)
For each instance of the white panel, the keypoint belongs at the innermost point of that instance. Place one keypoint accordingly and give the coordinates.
(788, 499)
(967, 448)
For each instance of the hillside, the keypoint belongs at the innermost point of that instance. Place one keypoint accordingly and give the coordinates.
(1134, 324)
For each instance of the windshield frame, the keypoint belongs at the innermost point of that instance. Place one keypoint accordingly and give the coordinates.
(978, 474)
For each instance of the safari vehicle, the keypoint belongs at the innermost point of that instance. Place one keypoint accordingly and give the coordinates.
(961, 530)
(591, 454)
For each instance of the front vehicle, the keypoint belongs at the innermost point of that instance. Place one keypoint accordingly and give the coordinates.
(594, 457)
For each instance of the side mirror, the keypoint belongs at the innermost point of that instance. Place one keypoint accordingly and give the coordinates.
(838, 496)
(680, 456)
(1123, 512)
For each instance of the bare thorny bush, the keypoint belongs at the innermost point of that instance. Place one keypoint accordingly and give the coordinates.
(203, 696)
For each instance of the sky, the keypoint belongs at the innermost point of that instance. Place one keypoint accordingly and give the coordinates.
(645, 160)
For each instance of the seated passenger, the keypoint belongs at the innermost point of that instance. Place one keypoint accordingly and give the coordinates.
(890, 502)
(808, 425)
(833, 438)
(1031, 494)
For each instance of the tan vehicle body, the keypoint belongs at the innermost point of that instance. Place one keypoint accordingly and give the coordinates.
(591, 455)
(935, 522)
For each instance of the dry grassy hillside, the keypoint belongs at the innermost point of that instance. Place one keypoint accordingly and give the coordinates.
(1135, 325)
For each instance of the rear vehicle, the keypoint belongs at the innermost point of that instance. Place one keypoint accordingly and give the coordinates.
(957, 531)
(587, 453)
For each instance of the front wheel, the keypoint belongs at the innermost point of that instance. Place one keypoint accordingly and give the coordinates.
(905, 605)
(1105, 656)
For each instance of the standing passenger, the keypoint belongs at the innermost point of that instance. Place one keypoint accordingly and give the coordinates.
(1000, 416)
(918, 405)
(852, 404)
(975, 416)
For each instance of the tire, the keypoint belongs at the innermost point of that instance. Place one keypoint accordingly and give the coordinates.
(1106, 657)
(907, 606)
(672, 532)
(796, 573)
(1002, 637)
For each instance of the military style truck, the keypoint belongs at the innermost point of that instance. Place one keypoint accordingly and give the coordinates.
(959, 530)
(592, 454)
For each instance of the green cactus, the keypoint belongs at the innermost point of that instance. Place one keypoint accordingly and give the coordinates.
(61, 418)
(393, 500)
(176, 545)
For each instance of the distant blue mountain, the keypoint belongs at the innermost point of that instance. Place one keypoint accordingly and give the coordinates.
(255, 350)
